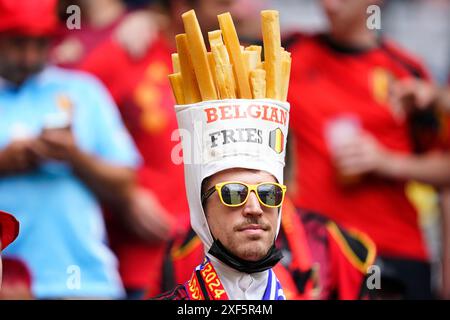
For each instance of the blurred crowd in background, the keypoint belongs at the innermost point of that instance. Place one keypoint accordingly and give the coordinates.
(90, 174)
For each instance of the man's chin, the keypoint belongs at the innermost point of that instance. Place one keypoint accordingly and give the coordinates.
(253, 252)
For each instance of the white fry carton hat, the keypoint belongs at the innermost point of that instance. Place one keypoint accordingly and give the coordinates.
(225, 134)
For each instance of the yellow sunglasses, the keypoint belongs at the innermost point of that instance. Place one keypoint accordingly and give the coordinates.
(235, 193)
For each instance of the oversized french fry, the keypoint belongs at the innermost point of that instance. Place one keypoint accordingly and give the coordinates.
(224, 72)
(231, 39)
(272, 52)
(176, 63)
(258, 50)
(258, 83)
(197, 49)
(212, 66)
(230, 70)
(191, 91)
(176, 83)
(255, 48)
(251, 60)
(215, 38)
(223, 68)
(285, 74)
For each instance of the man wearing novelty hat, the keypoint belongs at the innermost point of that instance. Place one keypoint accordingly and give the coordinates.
(9, 230)
(235, 194)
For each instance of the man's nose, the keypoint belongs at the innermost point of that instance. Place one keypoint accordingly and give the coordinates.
(252, 206)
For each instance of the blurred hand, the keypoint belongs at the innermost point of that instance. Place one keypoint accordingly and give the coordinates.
(18, 157)
(56, 144)
(361, 155)
(413, 94)
(138, 31)
(148, 219)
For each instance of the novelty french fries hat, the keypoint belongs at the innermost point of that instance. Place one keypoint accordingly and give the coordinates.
(232, 110)
(219, 135)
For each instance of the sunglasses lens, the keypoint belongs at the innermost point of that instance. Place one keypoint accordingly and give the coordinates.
(234, 193)
(270, 194)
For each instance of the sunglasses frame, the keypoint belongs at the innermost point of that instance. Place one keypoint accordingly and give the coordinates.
(250, 187)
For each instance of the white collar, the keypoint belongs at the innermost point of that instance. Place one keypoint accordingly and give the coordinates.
(240, 285)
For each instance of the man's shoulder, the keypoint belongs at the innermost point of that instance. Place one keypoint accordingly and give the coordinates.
(178, 293)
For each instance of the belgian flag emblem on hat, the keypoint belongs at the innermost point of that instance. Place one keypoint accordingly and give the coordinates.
(276, 140)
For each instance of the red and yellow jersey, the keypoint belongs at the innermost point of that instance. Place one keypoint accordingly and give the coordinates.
(142, 91)
(328, 82)
(321, 260)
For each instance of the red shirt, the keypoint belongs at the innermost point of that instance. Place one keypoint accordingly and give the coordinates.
(328, 82)
(80, 42)
(142, 91)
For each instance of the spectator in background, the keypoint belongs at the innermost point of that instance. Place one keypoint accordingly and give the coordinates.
(141, 89)
(349, 143)
(99, 21)
(63, 147)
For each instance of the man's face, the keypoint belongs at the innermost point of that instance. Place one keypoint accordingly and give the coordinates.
(21, 57)
(346, 13)
(248, 231)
